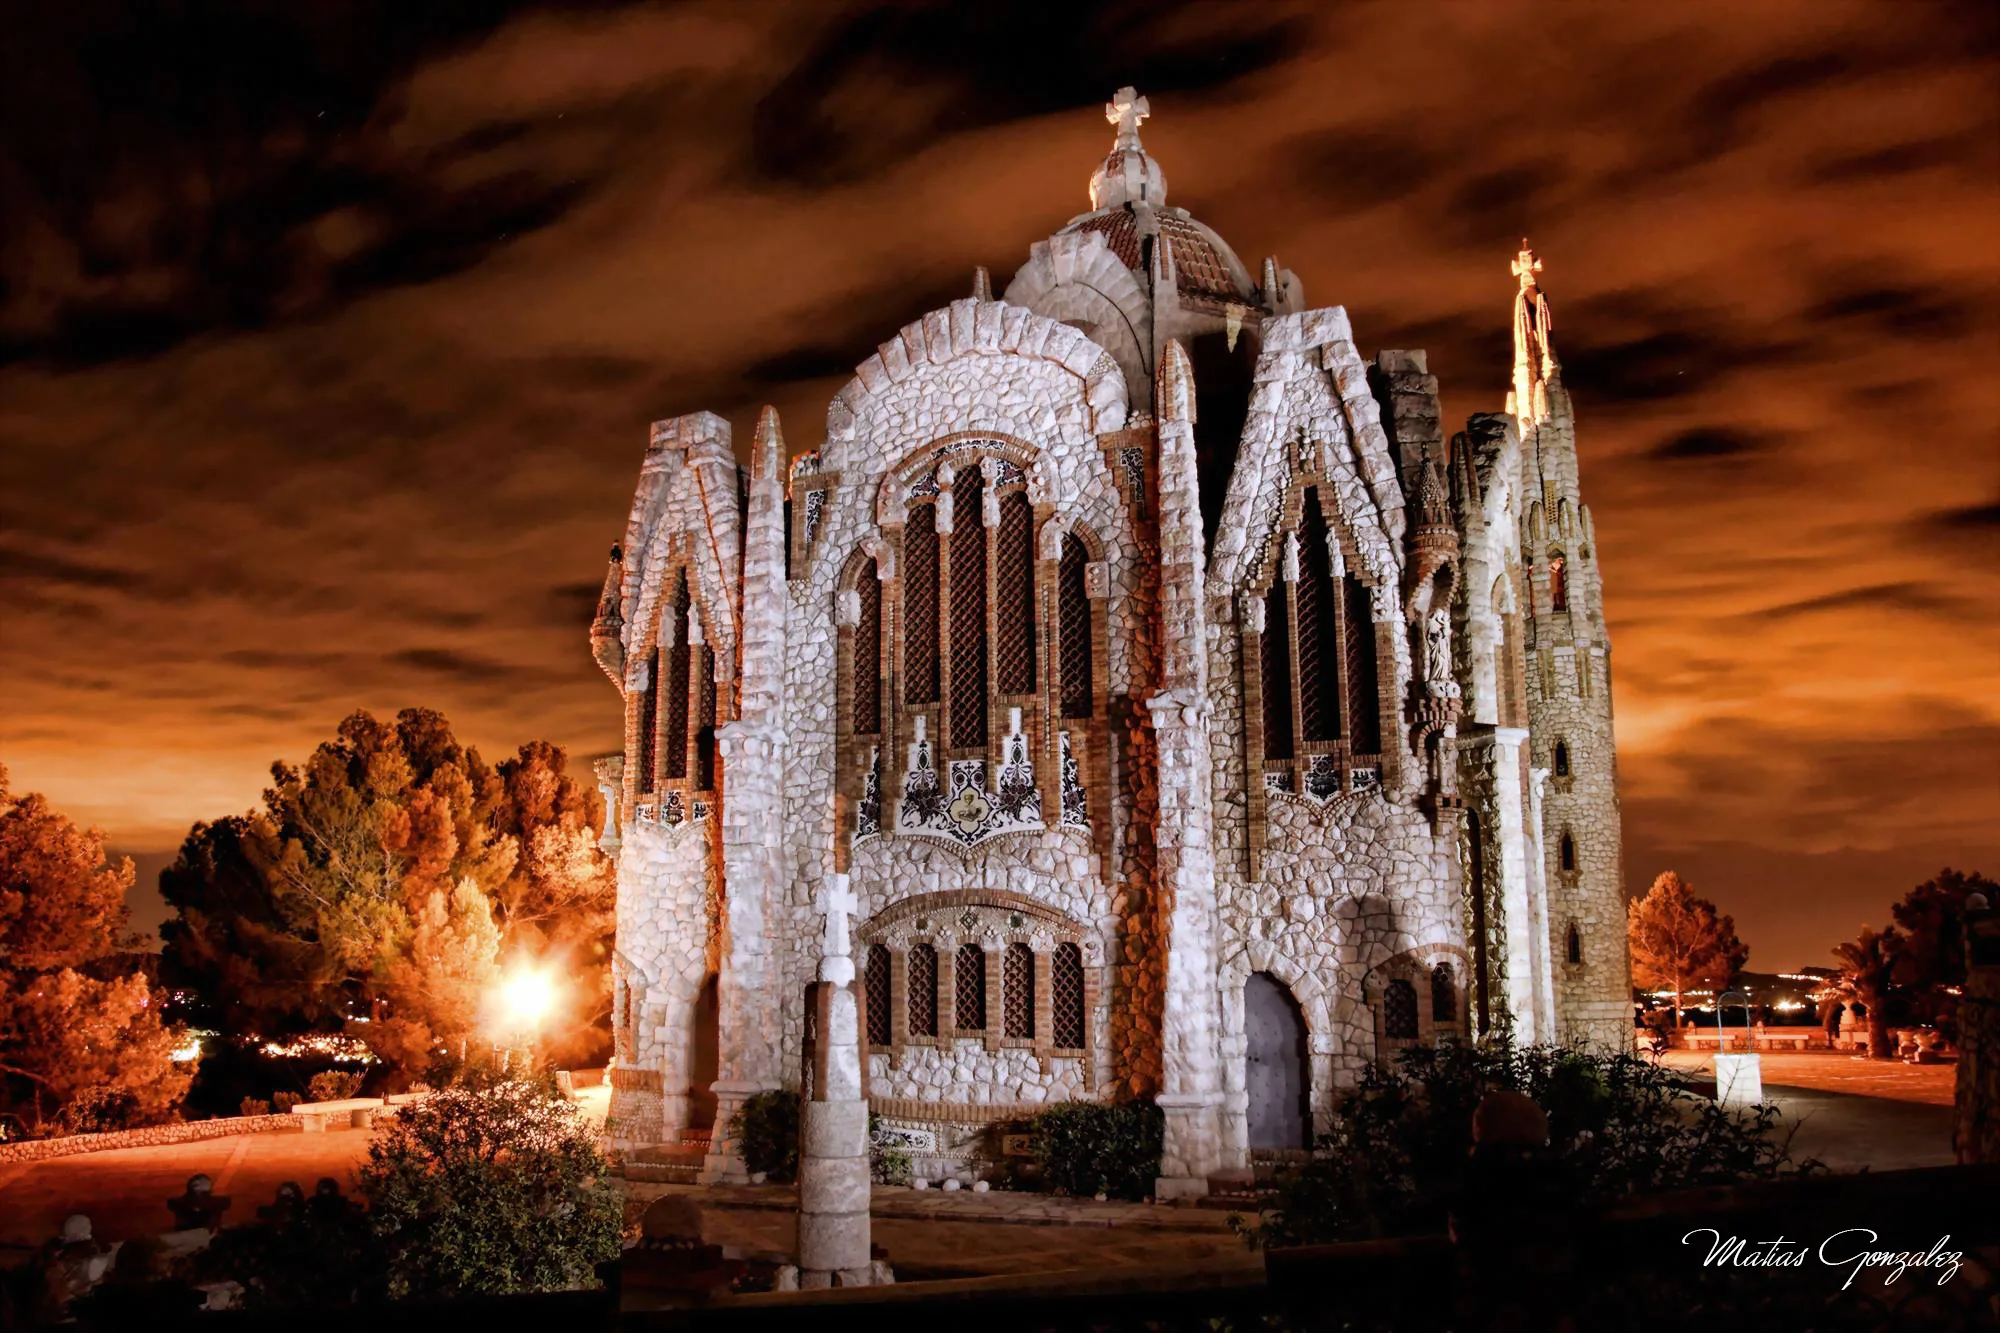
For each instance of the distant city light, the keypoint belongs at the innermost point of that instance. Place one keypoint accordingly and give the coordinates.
(1789, 1006)
(188, 1050)
(342, 1050)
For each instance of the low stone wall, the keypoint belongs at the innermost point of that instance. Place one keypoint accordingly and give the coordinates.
(153, 1136)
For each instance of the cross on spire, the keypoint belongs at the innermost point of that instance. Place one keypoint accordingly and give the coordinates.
(1125, 110)
(1526, 265)
(837, 903)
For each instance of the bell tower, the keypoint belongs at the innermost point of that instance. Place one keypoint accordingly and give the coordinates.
(1573, 787)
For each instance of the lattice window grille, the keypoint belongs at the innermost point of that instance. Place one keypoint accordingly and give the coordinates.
(1364, 705)
(649, 731)
(868, 654)
(1274, 659)
(1066, 996)
(920, 606)
(970, 985)
(704, 736)
(1319, 662)
(968, 615)
(875, 986)
(1073, 612)
(677, 684)
(1014, 596)
(1399, 1011)
(1017, 984)
(922, 985)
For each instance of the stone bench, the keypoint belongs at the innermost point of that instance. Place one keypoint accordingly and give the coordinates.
(358, 1112)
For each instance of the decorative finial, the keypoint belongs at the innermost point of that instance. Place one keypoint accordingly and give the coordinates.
(1125, 110)
(982, 286)
(1526, 265)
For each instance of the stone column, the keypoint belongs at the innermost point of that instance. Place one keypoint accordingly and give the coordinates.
(1190, 1067)
(833, 1154)
(752, 750)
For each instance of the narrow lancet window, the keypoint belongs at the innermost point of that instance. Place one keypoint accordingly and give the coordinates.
(1364, 702)
(875, 985)
(1074, 612)
(1066, 995)
(1319, 653)
(970, 985)
(1275, 659)
(677, 684)
(1017, 979)
(920, 606)
(968, 615)
(1014, 595)
(868, 654)
(922, 984)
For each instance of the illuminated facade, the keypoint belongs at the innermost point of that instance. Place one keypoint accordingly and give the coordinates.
(1182, 712)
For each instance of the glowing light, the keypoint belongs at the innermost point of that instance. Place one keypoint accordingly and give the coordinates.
(188, 1050)
(1789, 1006)
(526, 999)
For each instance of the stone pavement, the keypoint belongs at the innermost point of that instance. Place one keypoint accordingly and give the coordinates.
(125, 1192)
(930, 1234)
(1836, 1071)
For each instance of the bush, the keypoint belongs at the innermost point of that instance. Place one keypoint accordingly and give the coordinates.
(1090, 1148)
(766, 1129)
(491, 1187)
(283, 1102)
(333, 1085)
(253, 1106)
(1400, 1155)
(888, 1159)
(99, 1111)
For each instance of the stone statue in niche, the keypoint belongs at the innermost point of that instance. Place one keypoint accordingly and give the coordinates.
(1437, 653)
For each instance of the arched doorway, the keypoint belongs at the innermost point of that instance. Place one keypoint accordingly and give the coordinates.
(1276, 1078)
(703, 1055)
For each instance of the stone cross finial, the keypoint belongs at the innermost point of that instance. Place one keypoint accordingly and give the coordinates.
(1526, 265)
(836, 903)
(1125, 110)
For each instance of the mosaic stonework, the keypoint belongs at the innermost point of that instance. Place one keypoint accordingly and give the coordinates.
(1166, 785)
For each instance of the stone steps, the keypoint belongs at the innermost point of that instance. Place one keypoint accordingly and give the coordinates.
(667, 1163)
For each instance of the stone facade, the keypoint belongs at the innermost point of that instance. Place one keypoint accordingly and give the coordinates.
(1125, 639)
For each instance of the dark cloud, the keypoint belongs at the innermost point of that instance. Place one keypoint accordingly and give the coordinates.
(960, 67)
(1701, 443)
(1920, 598)
(400, 357)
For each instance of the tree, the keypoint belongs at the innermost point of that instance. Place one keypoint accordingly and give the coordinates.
(387, 878)
(82, 1043)
(1680, 941)
(1868, 974)
(1930, 960)
(490, 1188)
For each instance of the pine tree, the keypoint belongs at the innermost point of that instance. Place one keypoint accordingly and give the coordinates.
(1680, 941)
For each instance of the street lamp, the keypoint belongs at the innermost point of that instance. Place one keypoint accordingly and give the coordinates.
(527, 997)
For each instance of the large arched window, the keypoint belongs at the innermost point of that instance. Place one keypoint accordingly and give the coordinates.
(1017, 983)
(1319, 706)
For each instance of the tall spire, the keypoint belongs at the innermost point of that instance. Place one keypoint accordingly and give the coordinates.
(1535, 361)
(1129, 174)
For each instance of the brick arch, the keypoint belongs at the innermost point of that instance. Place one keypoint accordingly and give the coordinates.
(962, 449)
(985, 328)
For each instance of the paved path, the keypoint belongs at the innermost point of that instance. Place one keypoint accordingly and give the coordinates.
(930, 1234)
(125, 1192)
(1836, 1071)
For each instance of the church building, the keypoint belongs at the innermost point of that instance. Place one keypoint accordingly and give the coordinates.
(1178, 713)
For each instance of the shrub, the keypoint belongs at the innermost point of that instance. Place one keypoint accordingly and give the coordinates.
(284, 1101)
(333, 1085)
(888, 1159)
(491, 1188)
(99, 1111)
(767, 1131)
(1099, 1148)
(1400, 1154)
(253, 1106)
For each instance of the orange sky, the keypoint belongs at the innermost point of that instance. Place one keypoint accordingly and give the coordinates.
(330, 351)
